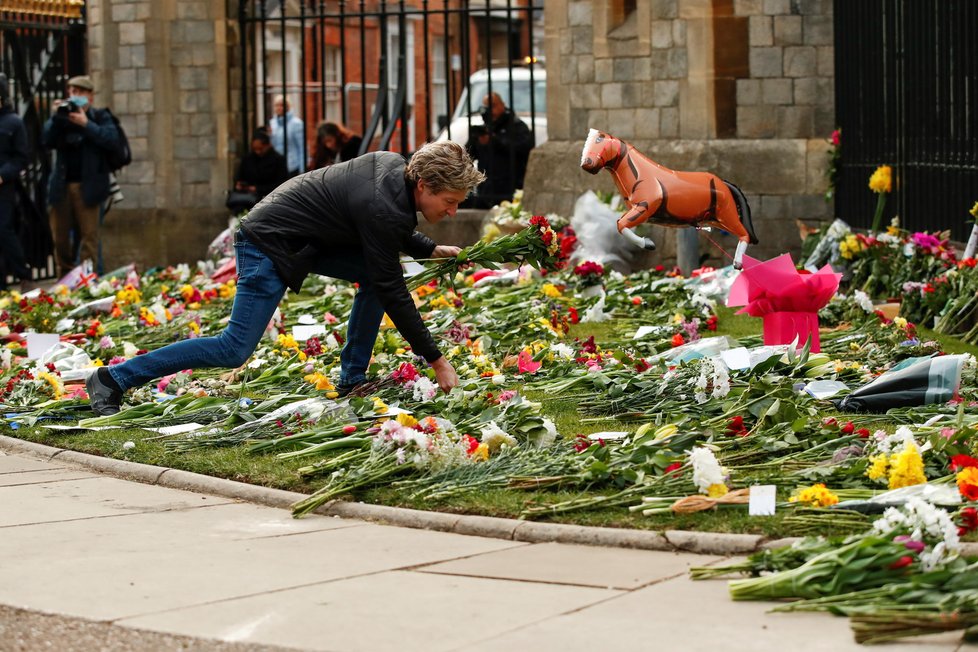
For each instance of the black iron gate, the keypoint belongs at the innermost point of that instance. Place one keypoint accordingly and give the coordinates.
(41, 46)
(390, 70)
(907, 96)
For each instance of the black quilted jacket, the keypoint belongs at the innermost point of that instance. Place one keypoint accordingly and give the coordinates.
(365, 203)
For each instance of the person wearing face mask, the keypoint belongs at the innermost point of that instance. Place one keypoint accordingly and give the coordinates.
(14, 157)
(349, 221)
(501, 145)
(80, 135)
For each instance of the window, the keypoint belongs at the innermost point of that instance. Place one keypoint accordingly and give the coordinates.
(439, 83)
(332, 66)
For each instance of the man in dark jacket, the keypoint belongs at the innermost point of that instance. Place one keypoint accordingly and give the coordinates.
(79, 182)
(501, 146)
(14, 157)
(347, 221)
(262, 169)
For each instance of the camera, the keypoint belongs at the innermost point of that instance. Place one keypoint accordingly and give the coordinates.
(66, 107)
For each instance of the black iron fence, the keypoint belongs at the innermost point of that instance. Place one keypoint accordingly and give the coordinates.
(40, 48)
(391, 71)
(907, 96)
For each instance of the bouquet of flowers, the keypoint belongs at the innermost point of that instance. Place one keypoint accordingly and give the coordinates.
(589, 273)
(905, 540)
(537, 244)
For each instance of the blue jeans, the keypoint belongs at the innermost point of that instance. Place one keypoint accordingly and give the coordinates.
(259, 291)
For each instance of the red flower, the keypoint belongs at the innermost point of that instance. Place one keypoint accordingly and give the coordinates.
(675, 466)
(969, 520)
(581, 443)
(677, 339)
(574, 317)
(735, 427)
(471, 443)
(863, 433)
(902, 562)
(641, 365)
(848, 428)
(711, 323)
(637, 301)
(959, 462)
(588, 345)
(539, 220)
(829, 422)
(349, 429)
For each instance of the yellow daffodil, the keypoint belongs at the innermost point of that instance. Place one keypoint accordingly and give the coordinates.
(815, 496)
(882, 179)
(550, 290)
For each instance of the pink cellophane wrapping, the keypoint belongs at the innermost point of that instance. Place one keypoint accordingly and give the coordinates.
(765, 288)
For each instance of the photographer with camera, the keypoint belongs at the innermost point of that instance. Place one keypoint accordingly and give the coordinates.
(502, 146)
(81, 135)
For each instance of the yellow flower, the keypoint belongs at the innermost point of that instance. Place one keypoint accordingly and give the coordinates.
(406, 420)
(967, 478)
(322, 383)
(227, 290)
(287, 342)
(127, 295)
(879, 467)
(481, 453)
(895, 230)
(194, 327)
(850, 246)
(899, 322)
(379, 406)
(550, 290)
(815, 496)
(907, 468)
(882, 179)
(56, 386)
(439, 302)
(717, 490)
(974, 210)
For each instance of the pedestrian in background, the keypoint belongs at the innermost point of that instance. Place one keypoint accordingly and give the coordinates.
(14, 157)
(341, 140)
(287, 128)
(501, 145)
(262, 169)
(80, 135)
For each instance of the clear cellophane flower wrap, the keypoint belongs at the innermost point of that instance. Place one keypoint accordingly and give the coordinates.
(787, 299)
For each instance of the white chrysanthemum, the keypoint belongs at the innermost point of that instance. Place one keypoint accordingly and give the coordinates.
(562, 351)
(706, 469)
(129, 349)
(424, 389)
(721, 380)
(495, 437)
(863, 301)
(924, 522)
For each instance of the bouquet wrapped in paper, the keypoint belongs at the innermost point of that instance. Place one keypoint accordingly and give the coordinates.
(788, 300)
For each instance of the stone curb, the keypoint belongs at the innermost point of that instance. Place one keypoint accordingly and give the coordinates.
(707, 543)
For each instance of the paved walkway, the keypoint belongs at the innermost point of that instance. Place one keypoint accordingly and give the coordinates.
(89, 561)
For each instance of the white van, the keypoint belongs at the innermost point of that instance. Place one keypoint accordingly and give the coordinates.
(466, 112)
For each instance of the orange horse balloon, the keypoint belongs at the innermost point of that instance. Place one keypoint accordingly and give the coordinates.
(665, 197)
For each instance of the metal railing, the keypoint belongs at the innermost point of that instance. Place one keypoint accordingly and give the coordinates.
(396, 68)
(906, 77)
(41, 46)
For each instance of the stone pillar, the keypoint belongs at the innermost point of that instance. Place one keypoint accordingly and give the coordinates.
(162, 67)
(741, 88)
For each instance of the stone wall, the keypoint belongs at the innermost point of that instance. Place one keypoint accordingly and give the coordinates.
(742, 88)
(162, 66)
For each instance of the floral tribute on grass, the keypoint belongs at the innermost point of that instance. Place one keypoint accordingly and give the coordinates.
(649, 414)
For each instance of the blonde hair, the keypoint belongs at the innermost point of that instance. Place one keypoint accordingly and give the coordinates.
(444, 166)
